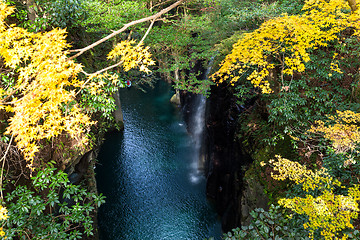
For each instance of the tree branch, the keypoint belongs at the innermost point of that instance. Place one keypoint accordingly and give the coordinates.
(126, 26)
(119, 63)
(3, 165)
(147, 32)
(106, 69)
(159, 4)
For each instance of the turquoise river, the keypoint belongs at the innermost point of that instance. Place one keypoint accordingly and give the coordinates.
(148, 174)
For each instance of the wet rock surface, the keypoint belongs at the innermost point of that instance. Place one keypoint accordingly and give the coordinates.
(226, 159)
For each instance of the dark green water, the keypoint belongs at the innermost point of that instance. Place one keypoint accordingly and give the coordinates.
(147, 174)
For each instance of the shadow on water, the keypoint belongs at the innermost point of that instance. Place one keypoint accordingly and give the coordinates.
(145, 173)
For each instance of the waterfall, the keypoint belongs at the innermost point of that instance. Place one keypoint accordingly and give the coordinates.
(197, 130)
(144, 173)
(198, 125)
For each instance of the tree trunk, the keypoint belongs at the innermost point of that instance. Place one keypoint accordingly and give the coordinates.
(30, 5)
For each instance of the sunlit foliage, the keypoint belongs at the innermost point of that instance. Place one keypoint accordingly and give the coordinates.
(111, 15)
(55, 13)
(341, 129)
(285, 43)
(40, 98)
(3, 213)
(327, 211)
(3, 217)
(41, 92)
(132, 56)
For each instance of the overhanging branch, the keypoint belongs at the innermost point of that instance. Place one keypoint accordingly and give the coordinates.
(126, 26)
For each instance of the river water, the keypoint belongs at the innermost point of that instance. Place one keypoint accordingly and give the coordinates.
(147, 174)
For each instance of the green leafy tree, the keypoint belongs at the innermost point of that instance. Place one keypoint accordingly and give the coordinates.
(39, 15)
(272, 224)
(51, 208)
(303, 69)
(283, 62)
(46, 103)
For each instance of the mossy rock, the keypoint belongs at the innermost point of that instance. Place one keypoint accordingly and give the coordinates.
(273, 189)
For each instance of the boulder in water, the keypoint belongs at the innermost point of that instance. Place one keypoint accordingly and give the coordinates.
(175, 99)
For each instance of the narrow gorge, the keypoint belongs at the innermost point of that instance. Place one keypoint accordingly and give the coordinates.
(150, 173)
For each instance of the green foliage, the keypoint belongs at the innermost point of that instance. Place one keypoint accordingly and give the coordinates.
(49, 14)
(272, 224)
(112, 15)
(343, 166)
(178, 48)
(250, 14)
(100, 106)
(60, 13)
(179, 42)
(195, 85)
(21, 13)
(316, 93)
(51, 208)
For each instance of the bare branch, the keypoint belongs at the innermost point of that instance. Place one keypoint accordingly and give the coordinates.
(119, 63)
(10, 95)
(107, 68)
(126, 26)
(159, 4)
(98, 72)
(3, 165)
(147, 32)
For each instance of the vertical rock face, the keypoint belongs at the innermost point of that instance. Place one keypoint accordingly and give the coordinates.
(118, 115)
(253, 196)
(226, 161)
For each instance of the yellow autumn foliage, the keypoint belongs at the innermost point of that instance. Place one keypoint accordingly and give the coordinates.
(45, 106)
(341, 129)
(42, 100)
(294, 171)
(327, 211)
(286, 42)
(132, 56)
(3, 213)
(3, 216)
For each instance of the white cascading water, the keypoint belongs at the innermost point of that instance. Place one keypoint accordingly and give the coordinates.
(197, 130)
(198, 124)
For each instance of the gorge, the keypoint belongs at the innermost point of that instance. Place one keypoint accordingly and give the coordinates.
(150, 175)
